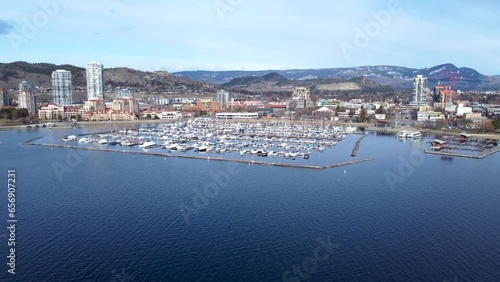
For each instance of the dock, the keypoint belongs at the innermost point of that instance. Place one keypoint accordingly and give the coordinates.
(481, 155)
(249, 162)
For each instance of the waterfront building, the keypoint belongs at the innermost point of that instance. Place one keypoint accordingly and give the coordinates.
(129, 105)
(95, 80)
(94, 105)
(237, 115)
(223, 98)
(419, 90)
(58, 112)
(61, 88)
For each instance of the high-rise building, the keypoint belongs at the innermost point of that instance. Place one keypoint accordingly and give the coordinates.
(27, 101)
(26, 98)
(95, 80)
(301, 98)
(223, 98)
(4, 98)
(26, 85)
(125, 93)
(420, 90)
(61, 88)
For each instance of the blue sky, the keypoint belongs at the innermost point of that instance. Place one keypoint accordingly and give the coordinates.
(252, 35)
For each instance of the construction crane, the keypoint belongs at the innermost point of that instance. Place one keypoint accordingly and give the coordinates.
(452, 81)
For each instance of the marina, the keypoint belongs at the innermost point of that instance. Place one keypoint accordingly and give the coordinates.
(463, 147)
(272, 144)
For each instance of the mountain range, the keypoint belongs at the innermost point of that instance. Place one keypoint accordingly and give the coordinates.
(393, 76)
(11, 74)
(372, 78)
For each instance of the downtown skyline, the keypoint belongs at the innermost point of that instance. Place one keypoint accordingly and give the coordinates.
(257, 35)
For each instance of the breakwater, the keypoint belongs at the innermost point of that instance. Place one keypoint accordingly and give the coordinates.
(356, 147)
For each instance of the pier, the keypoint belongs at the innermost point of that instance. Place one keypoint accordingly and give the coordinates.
(250, 162)
(480, 155)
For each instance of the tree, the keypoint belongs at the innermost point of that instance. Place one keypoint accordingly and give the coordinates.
(496, 124)
(352, 112)
(362, 114)
(380, 110)
(487, 126)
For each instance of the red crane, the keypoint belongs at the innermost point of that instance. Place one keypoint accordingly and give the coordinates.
(452, 79)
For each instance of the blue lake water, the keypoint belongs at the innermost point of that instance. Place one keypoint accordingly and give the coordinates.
(99, 216)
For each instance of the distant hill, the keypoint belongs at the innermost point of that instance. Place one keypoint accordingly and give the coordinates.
(269, 79)
(275, 82)
(11, 74)
(394, 76)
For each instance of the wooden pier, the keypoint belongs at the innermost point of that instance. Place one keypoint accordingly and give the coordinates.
(249, 162)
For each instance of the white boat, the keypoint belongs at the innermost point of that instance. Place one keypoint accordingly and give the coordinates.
(147, 144)
(403, 134)
(172, 146)
(69, 138)
(414, 134)
(201, 148)
(103, 141)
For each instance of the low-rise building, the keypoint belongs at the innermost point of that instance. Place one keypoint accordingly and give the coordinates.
(237, 115)
(57, 112)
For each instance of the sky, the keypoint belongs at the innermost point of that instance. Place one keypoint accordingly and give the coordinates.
(252, 34)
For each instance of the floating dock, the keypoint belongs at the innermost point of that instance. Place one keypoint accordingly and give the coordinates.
(481, 155)
(250, 162)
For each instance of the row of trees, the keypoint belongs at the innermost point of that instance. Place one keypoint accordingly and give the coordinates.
(13, 113)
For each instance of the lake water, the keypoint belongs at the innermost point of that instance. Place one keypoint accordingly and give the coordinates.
(99, 216)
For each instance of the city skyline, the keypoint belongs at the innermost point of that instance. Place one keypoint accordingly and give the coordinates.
(257, 35)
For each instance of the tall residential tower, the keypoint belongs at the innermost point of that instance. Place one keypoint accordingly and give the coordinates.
(61, 87)
(420, 90)
(26, 98)
(223, 98)
(95, 80)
